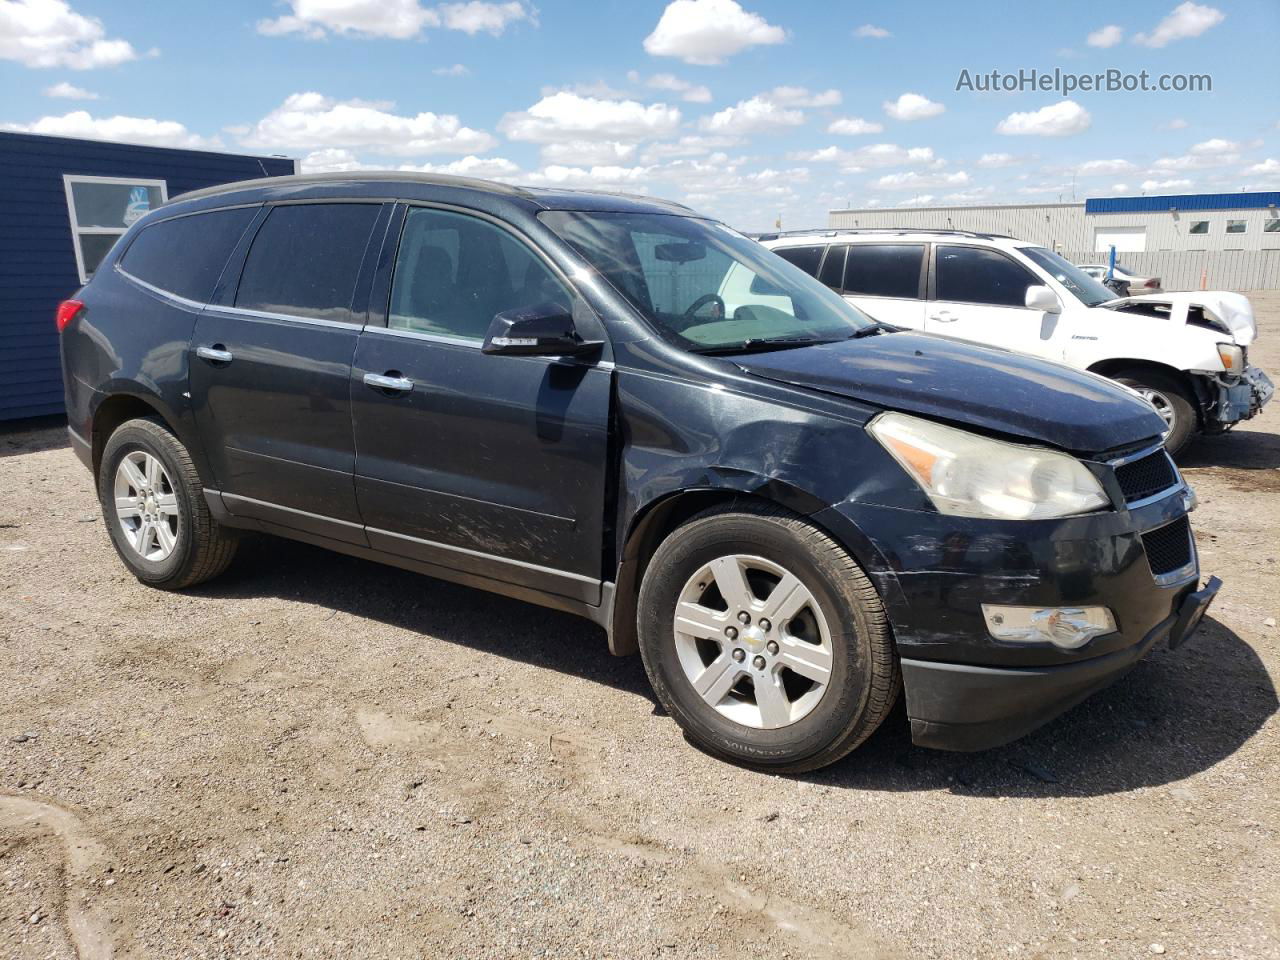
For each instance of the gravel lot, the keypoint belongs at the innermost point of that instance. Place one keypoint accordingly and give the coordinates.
(316, 756)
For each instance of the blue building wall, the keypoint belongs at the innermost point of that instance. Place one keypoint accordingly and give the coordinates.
(37, 258)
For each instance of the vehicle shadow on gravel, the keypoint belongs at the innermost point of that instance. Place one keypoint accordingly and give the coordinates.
(1176, 714)
(1238, 449)
(273, 567)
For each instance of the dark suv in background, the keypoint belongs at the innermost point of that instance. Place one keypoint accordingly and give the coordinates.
(791, 511)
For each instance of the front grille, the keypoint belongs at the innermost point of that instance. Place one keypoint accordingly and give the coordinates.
(1146, 477)
(1168, 548)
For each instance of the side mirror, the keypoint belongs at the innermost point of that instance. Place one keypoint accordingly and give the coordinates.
(1043, 299)
(540, 330)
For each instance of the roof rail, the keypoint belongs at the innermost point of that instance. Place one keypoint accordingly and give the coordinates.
(304, 179)
(894, 231)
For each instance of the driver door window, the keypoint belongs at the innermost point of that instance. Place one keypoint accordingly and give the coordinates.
(455, 272)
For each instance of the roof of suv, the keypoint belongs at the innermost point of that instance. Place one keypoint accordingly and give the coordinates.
(792, 238)
(546, 198)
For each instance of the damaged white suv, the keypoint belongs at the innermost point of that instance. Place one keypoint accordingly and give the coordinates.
(1186, 353)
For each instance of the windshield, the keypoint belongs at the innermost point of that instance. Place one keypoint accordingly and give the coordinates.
(1086, 289)
(705, 286)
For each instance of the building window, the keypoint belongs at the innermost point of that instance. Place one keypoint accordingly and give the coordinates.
(1271, 225)
(1199, 226)
(1235, 226)
(102, 209)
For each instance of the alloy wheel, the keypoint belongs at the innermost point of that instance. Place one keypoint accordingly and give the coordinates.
(147, 506)
(753, 641)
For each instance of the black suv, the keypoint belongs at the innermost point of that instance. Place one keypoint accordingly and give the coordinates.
(612, 406)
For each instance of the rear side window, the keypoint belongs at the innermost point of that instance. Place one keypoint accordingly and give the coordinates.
(305, 260)
(806, 258)
(833, 268)
(884, 270)
(185, 256)
(978, 275)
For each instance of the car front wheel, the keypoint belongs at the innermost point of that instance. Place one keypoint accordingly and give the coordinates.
(1171, 401)
(765, 640)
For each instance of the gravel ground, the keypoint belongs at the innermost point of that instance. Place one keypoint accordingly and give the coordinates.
(316, 756)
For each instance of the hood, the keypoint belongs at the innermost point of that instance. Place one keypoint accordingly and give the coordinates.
(969, 384)
(1231, 313)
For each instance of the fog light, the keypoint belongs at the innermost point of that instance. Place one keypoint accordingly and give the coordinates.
(1065, 627)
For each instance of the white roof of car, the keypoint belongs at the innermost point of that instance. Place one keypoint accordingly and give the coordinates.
(801, 238)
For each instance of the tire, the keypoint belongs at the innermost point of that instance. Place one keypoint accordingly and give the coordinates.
(1171, 400)
(834, 618)
(166, 488)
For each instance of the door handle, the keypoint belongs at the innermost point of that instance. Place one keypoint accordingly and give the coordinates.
(391, 382)
(943, 317)
(215, 354)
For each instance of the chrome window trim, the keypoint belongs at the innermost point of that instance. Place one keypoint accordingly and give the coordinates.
(268, 315)
(160, 291)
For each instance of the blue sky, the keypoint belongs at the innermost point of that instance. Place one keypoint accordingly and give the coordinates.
(746, 110)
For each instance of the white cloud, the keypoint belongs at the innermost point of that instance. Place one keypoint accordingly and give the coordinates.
(474, 17)
(756, 115)
(79, 123)
(690, 92)
(1215, 152)
(1216, 147)
(1061, 119)
(1267, 167)
(588, 153)
(871, 31)
(1104, 37)
(1165, 184)
(331, 160)
(923, 200)
(911, 180)
(1177, 123)
(599, 177)
(993, 161)
(692, 146)
(853, 126)
(1186, 20)
(1119, 188)
(398, 19)
(1101, 168)
(568, 116)
(455, 70)
(912, 106)
(469, 166)
(872, 156)
(67, 91)
(969, 197)
(311, 120)
(48, 33)
(705, 32)
(802, 97)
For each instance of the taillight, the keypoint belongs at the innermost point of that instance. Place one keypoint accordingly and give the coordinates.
(1153, 283)
(67, 311)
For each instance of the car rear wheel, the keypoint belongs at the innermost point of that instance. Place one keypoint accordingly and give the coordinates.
(154, 508)
(765, 641)
(1171, 400)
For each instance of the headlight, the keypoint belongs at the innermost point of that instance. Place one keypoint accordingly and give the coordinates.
(972, 476)
(1232, 358)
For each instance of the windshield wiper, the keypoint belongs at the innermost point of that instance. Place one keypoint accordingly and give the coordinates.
(874, 328)
(761, 344)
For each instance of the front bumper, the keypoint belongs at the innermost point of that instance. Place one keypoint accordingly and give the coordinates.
(1242, 399)
(964, 689)
(963, 707)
